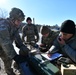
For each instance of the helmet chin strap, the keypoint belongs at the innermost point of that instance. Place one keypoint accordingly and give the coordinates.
(12, 20)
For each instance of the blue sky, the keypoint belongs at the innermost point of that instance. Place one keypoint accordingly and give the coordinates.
(49, 12)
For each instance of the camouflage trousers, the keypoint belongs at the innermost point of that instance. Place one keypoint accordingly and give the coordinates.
(7, 63)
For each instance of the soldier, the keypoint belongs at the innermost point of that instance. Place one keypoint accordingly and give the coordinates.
(30, 31)
(48, 36)
(9, 33)
(66, 41)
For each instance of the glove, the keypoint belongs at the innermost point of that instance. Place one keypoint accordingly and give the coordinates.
(32, 43)
(19, 59)
(24, 50)
(43, 48)
(36, 46)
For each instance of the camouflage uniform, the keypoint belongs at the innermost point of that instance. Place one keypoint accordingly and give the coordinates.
(30, 31)
(8, 33)
(48, 41)
(7, 64)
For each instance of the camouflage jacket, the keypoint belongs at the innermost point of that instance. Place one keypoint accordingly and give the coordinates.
(30, 31)
(48, 41)
(8, 33)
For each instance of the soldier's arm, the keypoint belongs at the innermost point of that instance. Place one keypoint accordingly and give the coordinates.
(42, 42)
(52, 38)
(70, 52)
(6, 42)
(55, 47)
(18, 40)
(23, 49)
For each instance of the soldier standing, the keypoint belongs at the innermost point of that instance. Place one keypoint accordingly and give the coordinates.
(9, 33)
(30, 31)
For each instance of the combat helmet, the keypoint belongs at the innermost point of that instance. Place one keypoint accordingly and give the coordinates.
(16, 13)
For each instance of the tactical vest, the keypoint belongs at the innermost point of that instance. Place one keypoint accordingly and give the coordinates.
(30, 32)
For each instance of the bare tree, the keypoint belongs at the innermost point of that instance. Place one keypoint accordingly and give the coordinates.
(3, 13)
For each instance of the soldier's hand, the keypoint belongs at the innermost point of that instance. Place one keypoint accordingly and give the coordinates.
(24, 50)
(49, 54)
